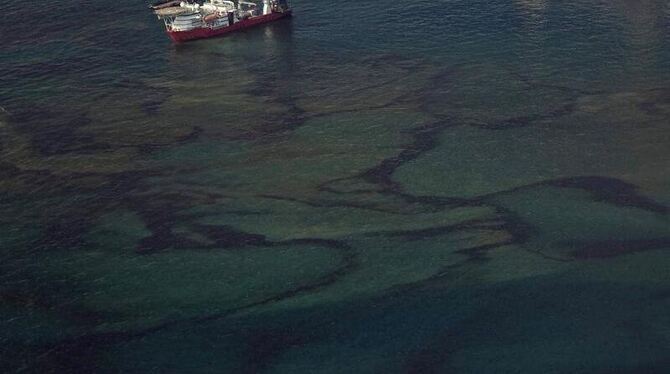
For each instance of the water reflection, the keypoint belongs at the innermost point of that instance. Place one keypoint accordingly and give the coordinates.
(644, 33)
(533, 8)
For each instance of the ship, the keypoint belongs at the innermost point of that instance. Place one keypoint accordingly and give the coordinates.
(185, 21)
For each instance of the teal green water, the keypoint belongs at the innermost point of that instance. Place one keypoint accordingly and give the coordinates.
(424, 187)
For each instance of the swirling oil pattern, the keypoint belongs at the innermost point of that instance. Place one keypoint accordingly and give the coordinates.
(448, 186)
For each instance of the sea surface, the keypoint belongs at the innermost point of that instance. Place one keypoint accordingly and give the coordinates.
(453, 186)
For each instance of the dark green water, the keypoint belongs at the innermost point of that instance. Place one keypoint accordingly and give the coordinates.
(383, 187)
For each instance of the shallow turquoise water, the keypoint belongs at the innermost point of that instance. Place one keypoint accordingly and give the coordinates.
(456, 186)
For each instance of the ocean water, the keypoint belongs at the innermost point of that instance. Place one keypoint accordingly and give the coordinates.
(449, 186)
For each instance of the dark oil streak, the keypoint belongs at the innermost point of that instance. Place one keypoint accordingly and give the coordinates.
(425, 139)
(524, 121)
(603, 189)
(535, 84)
(612, 248)
(82, 349)
(424, 233)
(322, 203)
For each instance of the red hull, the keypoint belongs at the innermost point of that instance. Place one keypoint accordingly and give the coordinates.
(206, 32)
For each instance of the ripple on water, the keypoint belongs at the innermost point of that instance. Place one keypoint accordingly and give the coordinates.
(371, 190)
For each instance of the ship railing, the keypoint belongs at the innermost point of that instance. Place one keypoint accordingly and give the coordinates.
(224, 2)
(247, 3)
(168, 23)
